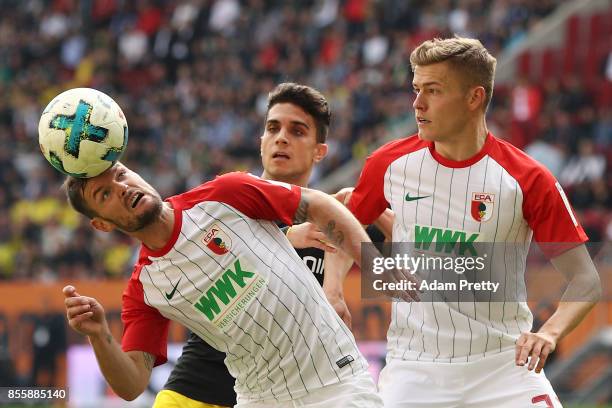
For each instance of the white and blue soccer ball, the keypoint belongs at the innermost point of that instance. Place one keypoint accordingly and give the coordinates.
(82, 132)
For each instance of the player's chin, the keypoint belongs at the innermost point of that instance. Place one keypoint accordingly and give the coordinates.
(142, 220)
(283, 164)
(149, 207)
(280, 170)
(426, 135)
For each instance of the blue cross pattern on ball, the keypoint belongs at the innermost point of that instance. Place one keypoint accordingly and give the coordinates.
(78, 127)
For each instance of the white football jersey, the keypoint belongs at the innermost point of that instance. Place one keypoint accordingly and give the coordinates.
(500, 195)
(229, 274)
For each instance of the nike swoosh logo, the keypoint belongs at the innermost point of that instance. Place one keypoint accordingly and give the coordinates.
(169, 295)
(408, 198)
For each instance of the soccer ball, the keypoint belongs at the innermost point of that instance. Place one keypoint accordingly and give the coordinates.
(82, 132)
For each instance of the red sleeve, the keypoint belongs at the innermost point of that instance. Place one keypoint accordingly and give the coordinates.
(144, 328)
(546, 208)
(253, 196)
(368, 200)
(550, 216)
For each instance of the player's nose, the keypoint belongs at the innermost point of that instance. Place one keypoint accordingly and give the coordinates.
(122, 188)
(281, 137)
(418, 102)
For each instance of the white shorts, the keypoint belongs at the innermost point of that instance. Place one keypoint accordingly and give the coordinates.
(357, 392)
(493, 381)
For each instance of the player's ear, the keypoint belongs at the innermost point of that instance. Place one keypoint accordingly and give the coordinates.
(320, 152)
(102, 225)
(476, 97)
(261, 146)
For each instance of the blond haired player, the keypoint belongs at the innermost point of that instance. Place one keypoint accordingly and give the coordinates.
(456, 179)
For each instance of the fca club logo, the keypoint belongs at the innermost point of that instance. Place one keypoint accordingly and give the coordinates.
(482, 206)
(78, 127)
(217, 240)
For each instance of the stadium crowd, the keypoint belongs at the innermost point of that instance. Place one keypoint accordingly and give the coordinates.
(193, 76)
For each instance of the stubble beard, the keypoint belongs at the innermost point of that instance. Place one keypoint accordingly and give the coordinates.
(145, 219)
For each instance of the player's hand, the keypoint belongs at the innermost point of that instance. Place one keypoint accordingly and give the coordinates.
(535, 346)
(307, 235)
(410, 295)
(344, 195)
(339, 305)
(396, 283)
(85, 314)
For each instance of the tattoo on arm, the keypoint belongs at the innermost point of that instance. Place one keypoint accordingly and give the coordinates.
(336, 237)
(301, 214)
(149, 360)
(109, 338)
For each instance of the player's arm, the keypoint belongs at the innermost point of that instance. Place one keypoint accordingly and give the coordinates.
(384, 222)
(307, 235)
(582, 293)
(332, 218)
(336, 266)
(343, 231)
(127, 373)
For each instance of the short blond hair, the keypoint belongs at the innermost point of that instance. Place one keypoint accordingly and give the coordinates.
(467, 55)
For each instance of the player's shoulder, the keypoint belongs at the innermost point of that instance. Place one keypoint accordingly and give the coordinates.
(401, 146)
(133, 291)
(143, 260)
(235, 177)
(220, 181)
(518, 163)
(391, 151)
(215, 189)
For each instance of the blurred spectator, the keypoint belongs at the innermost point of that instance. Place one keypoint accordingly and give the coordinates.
(608, 66)
(192, 78)
(526, 109)
(526, 101)
(549, 155)
(48, 343)
(375, 46)
(574, 95)
(7, 368)
(586, 165)
(602, 132)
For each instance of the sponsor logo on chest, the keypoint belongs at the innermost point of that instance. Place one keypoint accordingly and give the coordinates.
(445, 240)
(230, 294)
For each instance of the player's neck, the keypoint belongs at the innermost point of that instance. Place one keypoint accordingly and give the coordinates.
(299, 180)
(464, 145)
(156, 235)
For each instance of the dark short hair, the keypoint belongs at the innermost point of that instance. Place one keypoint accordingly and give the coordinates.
(309, 99)
(75, 192)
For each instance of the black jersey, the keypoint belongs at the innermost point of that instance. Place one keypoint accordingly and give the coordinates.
(200, 373)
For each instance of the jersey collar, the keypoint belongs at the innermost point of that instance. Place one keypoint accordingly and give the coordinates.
(178, 223)
(463, 163)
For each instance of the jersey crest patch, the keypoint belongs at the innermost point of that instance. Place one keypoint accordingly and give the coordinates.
(482, 206)
(217, 240)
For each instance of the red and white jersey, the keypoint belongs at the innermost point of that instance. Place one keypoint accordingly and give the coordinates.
(499, 195)
(229, 274)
